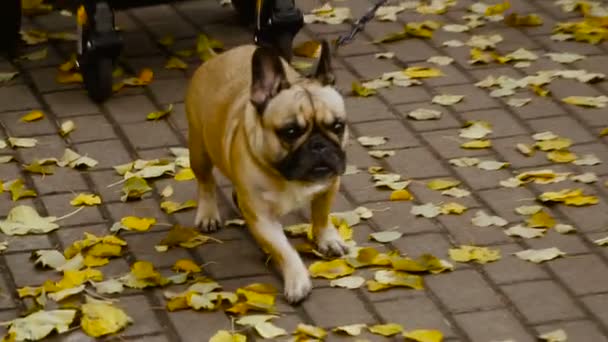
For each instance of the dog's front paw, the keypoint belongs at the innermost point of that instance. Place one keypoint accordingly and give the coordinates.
(297, 284)
(209, 221)
(330, 243)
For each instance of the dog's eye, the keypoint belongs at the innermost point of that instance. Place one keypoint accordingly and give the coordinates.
(337, 127)
(290, 132)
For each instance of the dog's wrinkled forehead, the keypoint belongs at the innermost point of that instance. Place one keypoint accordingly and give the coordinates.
(306, 103)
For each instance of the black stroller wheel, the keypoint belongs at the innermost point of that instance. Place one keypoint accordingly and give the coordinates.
(10, 24)
(99, 46)
(97, 77)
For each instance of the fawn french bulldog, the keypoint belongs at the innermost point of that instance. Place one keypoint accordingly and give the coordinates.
(280, 138)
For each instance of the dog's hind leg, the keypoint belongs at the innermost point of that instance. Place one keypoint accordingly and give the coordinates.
(207, 212)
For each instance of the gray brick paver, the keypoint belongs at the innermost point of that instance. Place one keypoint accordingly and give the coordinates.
(473, 294)
(493, 325)
(542, 301)
(326, 309)
(506, 299)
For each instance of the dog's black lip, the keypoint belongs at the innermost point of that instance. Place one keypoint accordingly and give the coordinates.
(321, 168)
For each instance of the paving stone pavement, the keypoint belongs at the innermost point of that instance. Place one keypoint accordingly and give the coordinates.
(510, 299)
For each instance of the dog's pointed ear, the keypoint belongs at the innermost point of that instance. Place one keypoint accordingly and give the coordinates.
(267, 77)
(324, 72)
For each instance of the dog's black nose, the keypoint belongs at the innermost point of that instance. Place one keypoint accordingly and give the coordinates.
(318, 146)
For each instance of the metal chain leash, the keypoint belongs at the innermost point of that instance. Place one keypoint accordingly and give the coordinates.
(359, 25)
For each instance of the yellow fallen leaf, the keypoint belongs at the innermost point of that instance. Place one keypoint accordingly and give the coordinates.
(36, 55)
(558, 335)
(346, 232)
(351, 329)
(144, 270)
(32, 116)
(422, 72)
(604, 132)
(425, 263)
(101, 318)
(515, 20)
(453, 208)
(186, 265)
(167, 40)
(601, 242)
(18, 190)
(541, 177)
(385, 236)
(142, 275)
(160, 114)
(368, 256)
(68, 77)
(84, 246)
(442, 184)
(22, 142)
(539, 90)
(96, 261)
(466, 253)
(140, 224)
(401, 195)
(145, 76)
(260, 297)
(476, 144)
(22, 220)
(541, 219)
(579, 201)
(184, 175)
(183, 237)
(386, 330)
(330, 269)
(361, 91)
(36, 167)
(206, 47)
(372, 141)
(66, 128)
(379, 154)
(561, 156)
(456, 192)
(374, 286)
(73, 278)
(498, 8)
(310, 331)
(475, 130)
(428, 210)
(176, 63)
(587, 101)
(134, 188)
(540, 255)
(348, 282)
(397, 278)
(423, 335)
(308, 49)
(227, 336)
(447, 99)
(85, 199)
(269, 330)
(560, 196)
(38, 325)
(171, 207)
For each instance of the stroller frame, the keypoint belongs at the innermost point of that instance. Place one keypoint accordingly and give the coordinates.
(100, 44)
